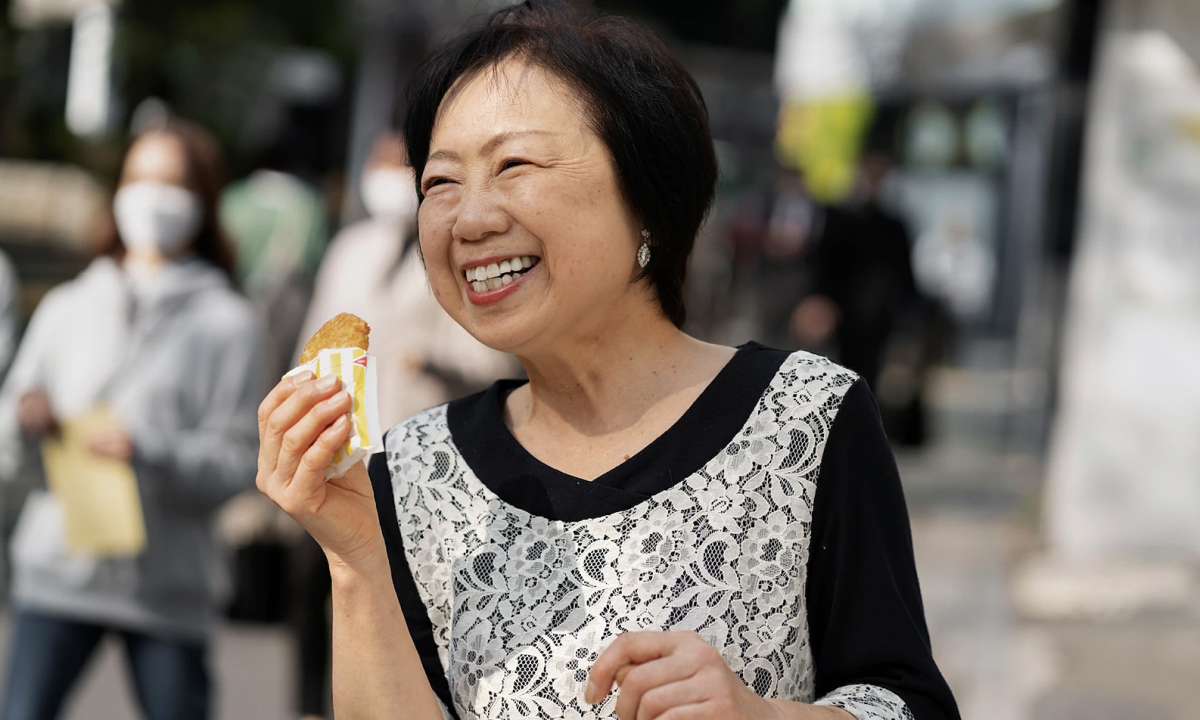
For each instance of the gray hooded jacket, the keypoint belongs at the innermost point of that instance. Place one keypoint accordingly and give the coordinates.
(179, 363)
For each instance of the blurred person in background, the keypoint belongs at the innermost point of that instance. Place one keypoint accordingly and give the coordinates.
(374, 269)
(10, 311)
(279, 226)
(791, 226)
(154, 330)
(862, 277)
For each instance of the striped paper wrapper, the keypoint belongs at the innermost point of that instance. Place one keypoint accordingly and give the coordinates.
(356, 368)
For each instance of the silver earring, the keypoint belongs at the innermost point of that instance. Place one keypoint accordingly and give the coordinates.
(643, 256)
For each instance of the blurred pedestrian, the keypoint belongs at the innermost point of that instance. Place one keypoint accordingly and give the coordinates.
(279, 226)
(862, 277)
(790, 230)
(373, 268)
(154, 330)
(10, 311)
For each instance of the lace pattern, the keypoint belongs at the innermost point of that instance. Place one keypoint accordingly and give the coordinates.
(522, 606)
(868, 702)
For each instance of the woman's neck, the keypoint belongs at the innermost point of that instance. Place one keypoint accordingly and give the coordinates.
(605, 382)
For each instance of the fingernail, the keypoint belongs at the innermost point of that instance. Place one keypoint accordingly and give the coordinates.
(301, 377)
(328, 382)
(589, 693)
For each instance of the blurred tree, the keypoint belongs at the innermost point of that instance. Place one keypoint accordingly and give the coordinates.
(210, 60)
(219, 63)
(33, 90)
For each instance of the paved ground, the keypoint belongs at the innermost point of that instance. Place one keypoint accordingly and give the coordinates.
(974, 505)
(252, 675)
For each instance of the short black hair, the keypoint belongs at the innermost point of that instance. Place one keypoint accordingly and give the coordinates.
(641, 102)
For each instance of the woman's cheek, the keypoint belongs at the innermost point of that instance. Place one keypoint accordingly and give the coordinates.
(435, 251)
(448, 298)
(440, 273)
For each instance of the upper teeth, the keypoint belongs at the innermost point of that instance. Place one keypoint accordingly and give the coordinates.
(482, 273)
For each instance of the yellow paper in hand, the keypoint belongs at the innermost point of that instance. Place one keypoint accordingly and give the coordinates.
(356, 368)
(99, 495)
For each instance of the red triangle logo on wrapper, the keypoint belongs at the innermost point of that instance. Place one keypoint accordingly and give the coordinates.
(362, 361)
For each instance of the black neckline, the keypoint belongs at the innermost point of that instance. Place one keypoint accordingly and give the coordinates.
(477, 427)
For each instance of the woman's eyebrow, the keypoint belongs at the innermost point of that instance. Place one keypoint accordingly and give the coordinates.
(442, 155)
(501, 138)
(490, 146)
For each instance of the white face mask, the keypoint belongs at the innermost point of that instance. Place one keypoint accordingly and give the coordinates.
(157, 216)
(389, 193)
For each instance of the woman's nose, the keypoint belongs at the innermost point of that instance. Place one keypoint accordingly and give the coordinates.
(480, 216)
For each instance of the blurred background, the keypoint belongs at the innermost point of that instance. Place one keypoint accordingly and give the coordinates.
(989, 208)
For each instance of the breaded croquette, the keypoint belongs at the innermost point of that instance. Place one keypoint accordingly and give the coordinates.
(342, 331)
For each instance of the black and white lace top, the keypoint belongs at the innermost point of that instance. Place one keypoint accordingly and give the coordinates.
(769, 519)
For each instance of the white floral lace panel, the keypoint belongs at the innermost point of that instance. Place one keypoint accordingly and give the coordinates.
(868, 702)
(521, 606)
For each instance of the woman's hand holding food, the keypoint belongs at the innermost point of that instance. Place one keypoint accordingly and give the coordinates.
(679, 676)
(377, 670)
(301, 424)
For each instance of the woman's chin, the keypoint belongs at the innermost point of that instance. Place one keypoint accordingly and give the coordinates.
(505, 318)
(504, 331)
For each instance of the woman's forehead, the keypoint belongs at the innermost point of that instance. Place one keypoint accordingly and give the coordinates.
(513, 97)
(158, 157)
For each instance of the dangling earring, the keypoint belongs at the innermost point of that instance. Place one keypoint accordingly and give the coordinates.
(643, 256)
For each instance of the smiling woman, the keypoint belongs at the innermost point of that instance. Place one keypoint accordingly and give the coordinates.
(720, 531)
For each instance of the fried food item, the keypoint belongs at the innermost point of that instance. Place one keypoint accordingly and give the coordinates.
(342, 331)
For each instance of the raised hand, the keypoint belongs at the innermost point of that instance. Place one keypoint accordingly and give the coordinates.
(301, 424)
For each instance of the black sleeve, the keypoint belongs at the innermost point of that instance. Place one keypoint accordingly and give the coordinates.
(865, 617)
(415, 613)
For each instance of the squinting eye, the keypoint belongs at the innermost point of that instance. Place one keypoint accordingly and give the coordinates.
(512, 164)
(431, 183)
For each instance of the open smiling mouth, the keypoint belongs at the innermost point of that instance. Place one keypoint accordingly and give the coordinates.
(483, 278)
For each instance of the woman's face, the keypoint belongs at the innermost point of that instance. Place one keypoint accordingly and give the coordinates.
(516, 175)
(157, 214)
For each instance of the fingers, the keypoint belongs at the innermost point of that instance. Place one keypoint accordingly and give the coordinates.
(628, 649)
(283, 408)
(694, 711)
(685, 699)
(320, 453)
(650, 689)
(282, 390)
(303, 493)
(300, 438)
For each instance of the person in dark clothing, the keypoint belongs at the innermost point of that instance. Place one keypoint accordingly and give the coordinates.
(862, 278)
